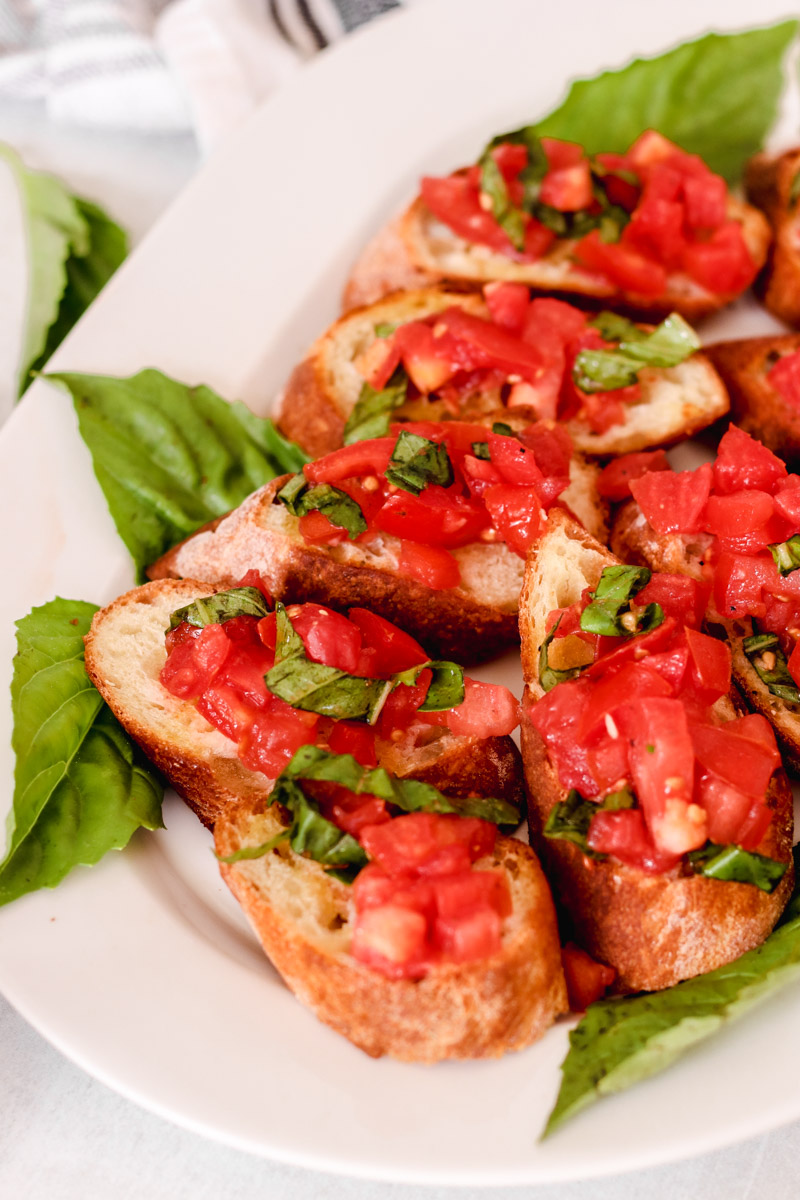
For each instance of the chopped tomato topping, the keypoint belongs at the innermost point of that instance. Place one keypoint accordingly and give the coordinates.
(587, 980)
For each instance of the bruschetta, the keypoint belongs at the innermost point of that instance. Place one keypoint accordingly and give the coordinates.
(762, 377)
(772, 183)
(652, 231)
(662, 816)
(428, 527)
(436, 353)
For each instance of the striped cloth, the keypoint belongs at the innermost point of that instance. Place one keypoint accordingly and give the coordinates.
(163, 66)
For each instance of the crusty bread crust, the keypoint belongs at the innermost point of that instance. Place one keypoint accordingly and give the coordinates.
(469, 623)
(768, 183)
(755, 404)
(471, 1010)
(653, 929)
(125, 652)
(442, 255)
(322, 391)
(384, 266)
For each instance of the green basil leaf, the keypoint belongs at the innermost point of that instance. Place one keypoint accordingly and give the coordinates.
(410, 795)
(481, 450)
(732, 863)
(786, 554)
(620, 1042)
(417, 462)
(569, 820)
(81, 787)
(73, 250)
(300, 498)
(224, 606)
(503, 429)
(611, 612)
(446, 689)
(373, 410)
(169, 457)
(385, 329)
(774, 673)
(511, 220)
(604, 370)
(247, 852)
(614, 328)
(724, 116)
(549, 676)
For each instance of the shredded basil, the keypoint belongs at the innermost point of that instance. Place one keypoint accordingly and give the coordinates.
(549, 676)
(786, 554)
(570, 819)
(481, 450)
(509, 218)
(224, 606)
(341, 510)
(605, 370)
(417, 462)
(736, 865)
(776, 678)
(446, 689)
(611, 612)
(503, 429)
(372, 413)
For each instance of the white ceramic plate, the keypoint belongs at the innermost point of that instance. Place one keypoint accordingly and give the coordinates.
(142, 970)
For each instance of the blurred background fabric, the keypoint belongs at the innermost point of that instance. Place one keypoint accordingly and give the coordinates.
(163, 66)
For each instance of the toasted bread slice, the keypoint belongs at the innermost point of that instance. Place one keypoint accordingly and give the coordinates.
(469, 623)
(756, 405)
(634, 540)
(770, 183)
(432, 248)
(303, 918)
(125, 652)
(653, 929)
(323, 390)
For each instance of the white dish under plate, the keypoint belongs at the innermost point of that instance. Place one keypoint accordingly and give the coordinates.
(142, 969)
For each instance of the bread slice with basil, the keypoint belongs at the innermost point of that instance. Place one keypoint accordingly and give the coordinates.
(634, 540)
(757, 405)
(468, 623)
(771, 183)
(416, 246)
(653, 929)
(323, 392)
(304, 920)
(125, 652)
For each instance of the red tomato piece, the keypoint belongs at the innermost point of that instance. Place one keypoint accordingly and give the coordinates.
(370, 457)
(623, 650)
(437, 516)
(711, 664)
(705, 199)
(680, 596)
(740, 752)
(192, 664)
(625, 268)
(487, 710)
(608, 761)
(674, 502)
(794, 663)
(431, 565)
(656, 228)
(671, 664)
(651, 147)
(244, 669)
(722, 264)
(460, 893)
(662, 770)
(471, 936)
(253, 578)
(562, 154)
(629, 684)
(369, 811)
(225, 709)
(413, 842)
(615, 479)
(738, 513)
(274, 736)
(587, 980)
(515, 461)
(316, 530)
(787, 500)
(516, 513)
(556, 716)
(491, 345)
(328, 637)
(356, 738)
(625, 836)
(392, 649)
(568, 189)
(726, 805)
(479, 474)
(391, 939)
(738, 583)
(743, 463)
(507, 304)
(456, 202)
(785, 378)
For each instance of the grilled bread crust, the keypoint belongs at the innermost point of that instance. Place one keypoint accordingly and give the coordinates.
(756, 405)
(653, 929)
(434, 250)
(323, 390)
(769, 182)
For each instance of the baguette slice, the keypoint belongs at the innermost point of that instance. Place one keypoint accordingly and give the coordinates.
(757, 406)
(770, 183)
(417, 242)
(634, 540)
(125, 652)
(323, 390)
(653, 929)
(469, 623)
(303, 918)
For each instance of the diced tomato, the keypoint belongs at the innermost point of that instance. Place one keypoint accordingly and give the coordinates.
(632, 682)
(622, 266)
(479, 474)
(431, 565)
(738, 583)
(515, 461)
(274, 736)
(743, 463)
(793, 663)
(431, 356)
(650, 147)
(662, 770)
(656, 227)
(633, 649)
(755, 826)
(244, 669)
(225, 709)
(471, 936)
(672, 664)
(556, 716)
(491, 345)
(369, 811)
(624, 835)
(785, 378)
(587, 979)
(415, 842)
(726, 805)
(353, 737)
(369, 457)
(674, 502)
(562, 154)
(738, 752)
(393, 650)
(487, 710)
(722, 264)
(316, 530)
(437, 516)
(255, 579)
(508, 304)
(456, 202)
(681, 597)
(516, 513)
(615, 479)
(738, 513)
(328, 637)
(460, 893)
(568, 189)
(400, 708)
(705, 201)
(787, 500)
(711, 665)
(192, 664)
(390, 939)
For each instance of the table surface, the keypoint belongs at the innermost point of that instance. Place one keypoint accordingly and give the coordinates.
(65, 1136)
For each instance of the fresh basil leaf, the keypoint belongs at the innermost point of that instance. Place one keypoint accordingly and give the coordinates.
(604, 370)
(410, 795)
(614, 328)
(81, 787)
(481, 450)
(417, 462)
(610, 220)
(224, 606)
(503, 429)
(549, 676)
(511, 220)
(288, 643)
(569, 820)
(734, 864)
(385, 329)
(247, 852)
(786, 554)
(622, 1041)
(73, 250)
(446, 689)
(611, 612)
(169, 457)
(373, 410)
(769, 663)
(341, 510)
(722, 113)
